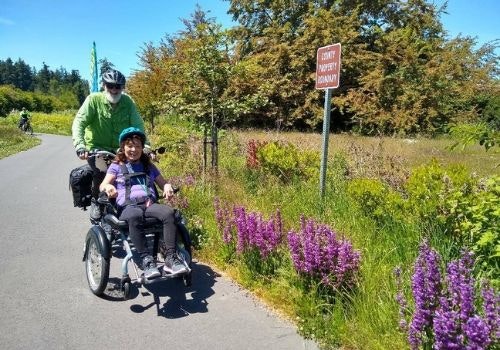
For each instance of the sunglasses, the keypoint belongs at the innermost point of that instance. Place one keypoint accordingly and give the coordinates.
(114, 86)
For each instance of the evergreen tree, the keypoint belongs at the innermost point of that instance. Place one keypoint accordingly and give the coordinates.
(23, 76)
(42, 79)
(67, 90)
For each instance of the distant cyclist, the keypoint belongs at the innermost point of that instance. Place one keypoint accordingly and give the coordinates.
(24, 117)
(99, 122)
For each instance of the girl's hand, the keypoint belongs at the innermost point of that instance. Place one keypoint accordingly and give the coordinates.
(110, 191)
(168, 191)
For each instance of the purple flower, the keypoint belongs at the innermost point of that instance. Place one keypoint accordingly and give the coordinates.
(240, 219)
(445, 318)
(219, 215)
(253, 232)
(461, 286)
(426, 287)
(295, 246)
(347, 261)
(316, 252)
(446, 328)
(477, 332)
(223, 220)
(491, 306)
(227, 236)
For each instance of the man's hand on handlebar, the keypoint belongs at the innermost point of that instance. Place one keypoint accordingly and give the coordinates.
(150, 153)
(153, 153)
(82, 153)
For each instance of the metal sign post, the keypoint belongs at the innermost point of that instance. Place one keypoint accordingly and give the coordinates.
(327, 77)
(326, 133)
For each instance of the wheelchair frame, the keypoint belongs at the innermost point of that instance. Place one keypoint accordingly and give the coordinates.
(98, 250)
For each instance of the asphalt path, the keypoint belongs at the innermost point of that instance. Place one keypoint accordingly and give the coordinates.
(45, 302)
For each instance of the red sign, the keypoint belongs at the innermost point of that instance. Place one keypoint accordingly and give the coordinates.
(328, 67)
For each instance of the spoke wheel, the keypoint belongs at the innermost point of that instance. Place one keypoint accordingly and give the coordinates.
(96, 266)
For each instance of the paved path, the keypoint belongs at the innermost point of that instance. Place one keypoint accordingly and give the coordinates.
(44, 299)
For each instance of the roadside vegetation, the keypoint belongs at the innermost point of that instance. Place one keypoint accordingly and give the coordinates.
(13, 140)
(329, 265)
(403, 251)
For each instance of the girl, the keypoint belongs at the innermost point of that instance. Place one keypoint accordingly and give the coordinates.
(130, 179)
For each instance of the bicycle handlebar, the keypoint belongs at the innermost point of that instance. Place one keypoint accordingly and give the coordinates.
(106, 155)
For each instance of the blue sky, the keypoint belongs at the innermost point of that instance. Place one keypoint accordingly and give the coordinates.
(60, 32)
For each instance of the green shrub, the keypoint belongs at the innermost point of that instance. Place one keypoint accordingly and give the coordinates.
(482, 133)
(12, 98)
(474, 218)
(182, 155)
(287, 162)
(466, 209)
(377, 200)
(429, 185)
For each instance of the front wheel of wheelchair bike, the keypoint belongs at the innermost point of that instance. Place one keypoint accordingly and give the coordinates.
(185, 252)
(96, 267)
(126, 290)
(187, 279)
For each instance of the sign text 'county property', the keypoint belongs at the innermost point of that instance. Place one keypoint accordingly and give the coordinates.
(328, 67)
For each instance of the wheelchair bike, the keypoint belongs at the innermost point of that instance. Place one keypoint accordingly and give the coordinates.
(108, 235)
(26, 127)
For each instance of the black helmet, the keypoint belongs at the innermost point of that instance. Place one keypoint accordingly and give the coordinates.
(112, 76)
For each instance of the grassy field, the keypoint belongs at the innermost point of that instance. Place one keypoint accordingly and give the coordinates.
(13, 140)
(405, 152)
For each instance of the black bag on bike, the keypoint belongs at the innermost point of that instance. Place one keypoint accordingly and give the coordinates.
(80, 183)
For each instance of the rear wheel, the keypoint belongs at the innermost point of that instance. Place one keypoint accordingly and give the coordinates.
(96, 266)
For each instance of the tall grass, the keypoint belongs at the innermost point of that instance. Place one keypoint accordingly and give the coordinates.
(13, 140)
(46, 123)
(55, 123)
(367, 316)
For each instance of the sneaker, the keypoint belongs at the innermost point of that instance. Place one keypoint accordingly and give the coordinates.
(174, 265)
(149, 268)
(95, 210)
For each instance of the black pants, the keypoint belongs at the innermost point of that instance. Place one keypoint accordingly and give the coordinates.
(135, 215)
(22, 121)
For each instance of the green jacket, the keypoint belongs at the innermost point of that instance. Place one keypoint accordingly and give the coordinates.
(97, 125)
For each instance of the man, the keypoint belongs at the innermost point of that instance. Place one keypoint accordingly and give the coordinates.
(23, 117)
(98, 123)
